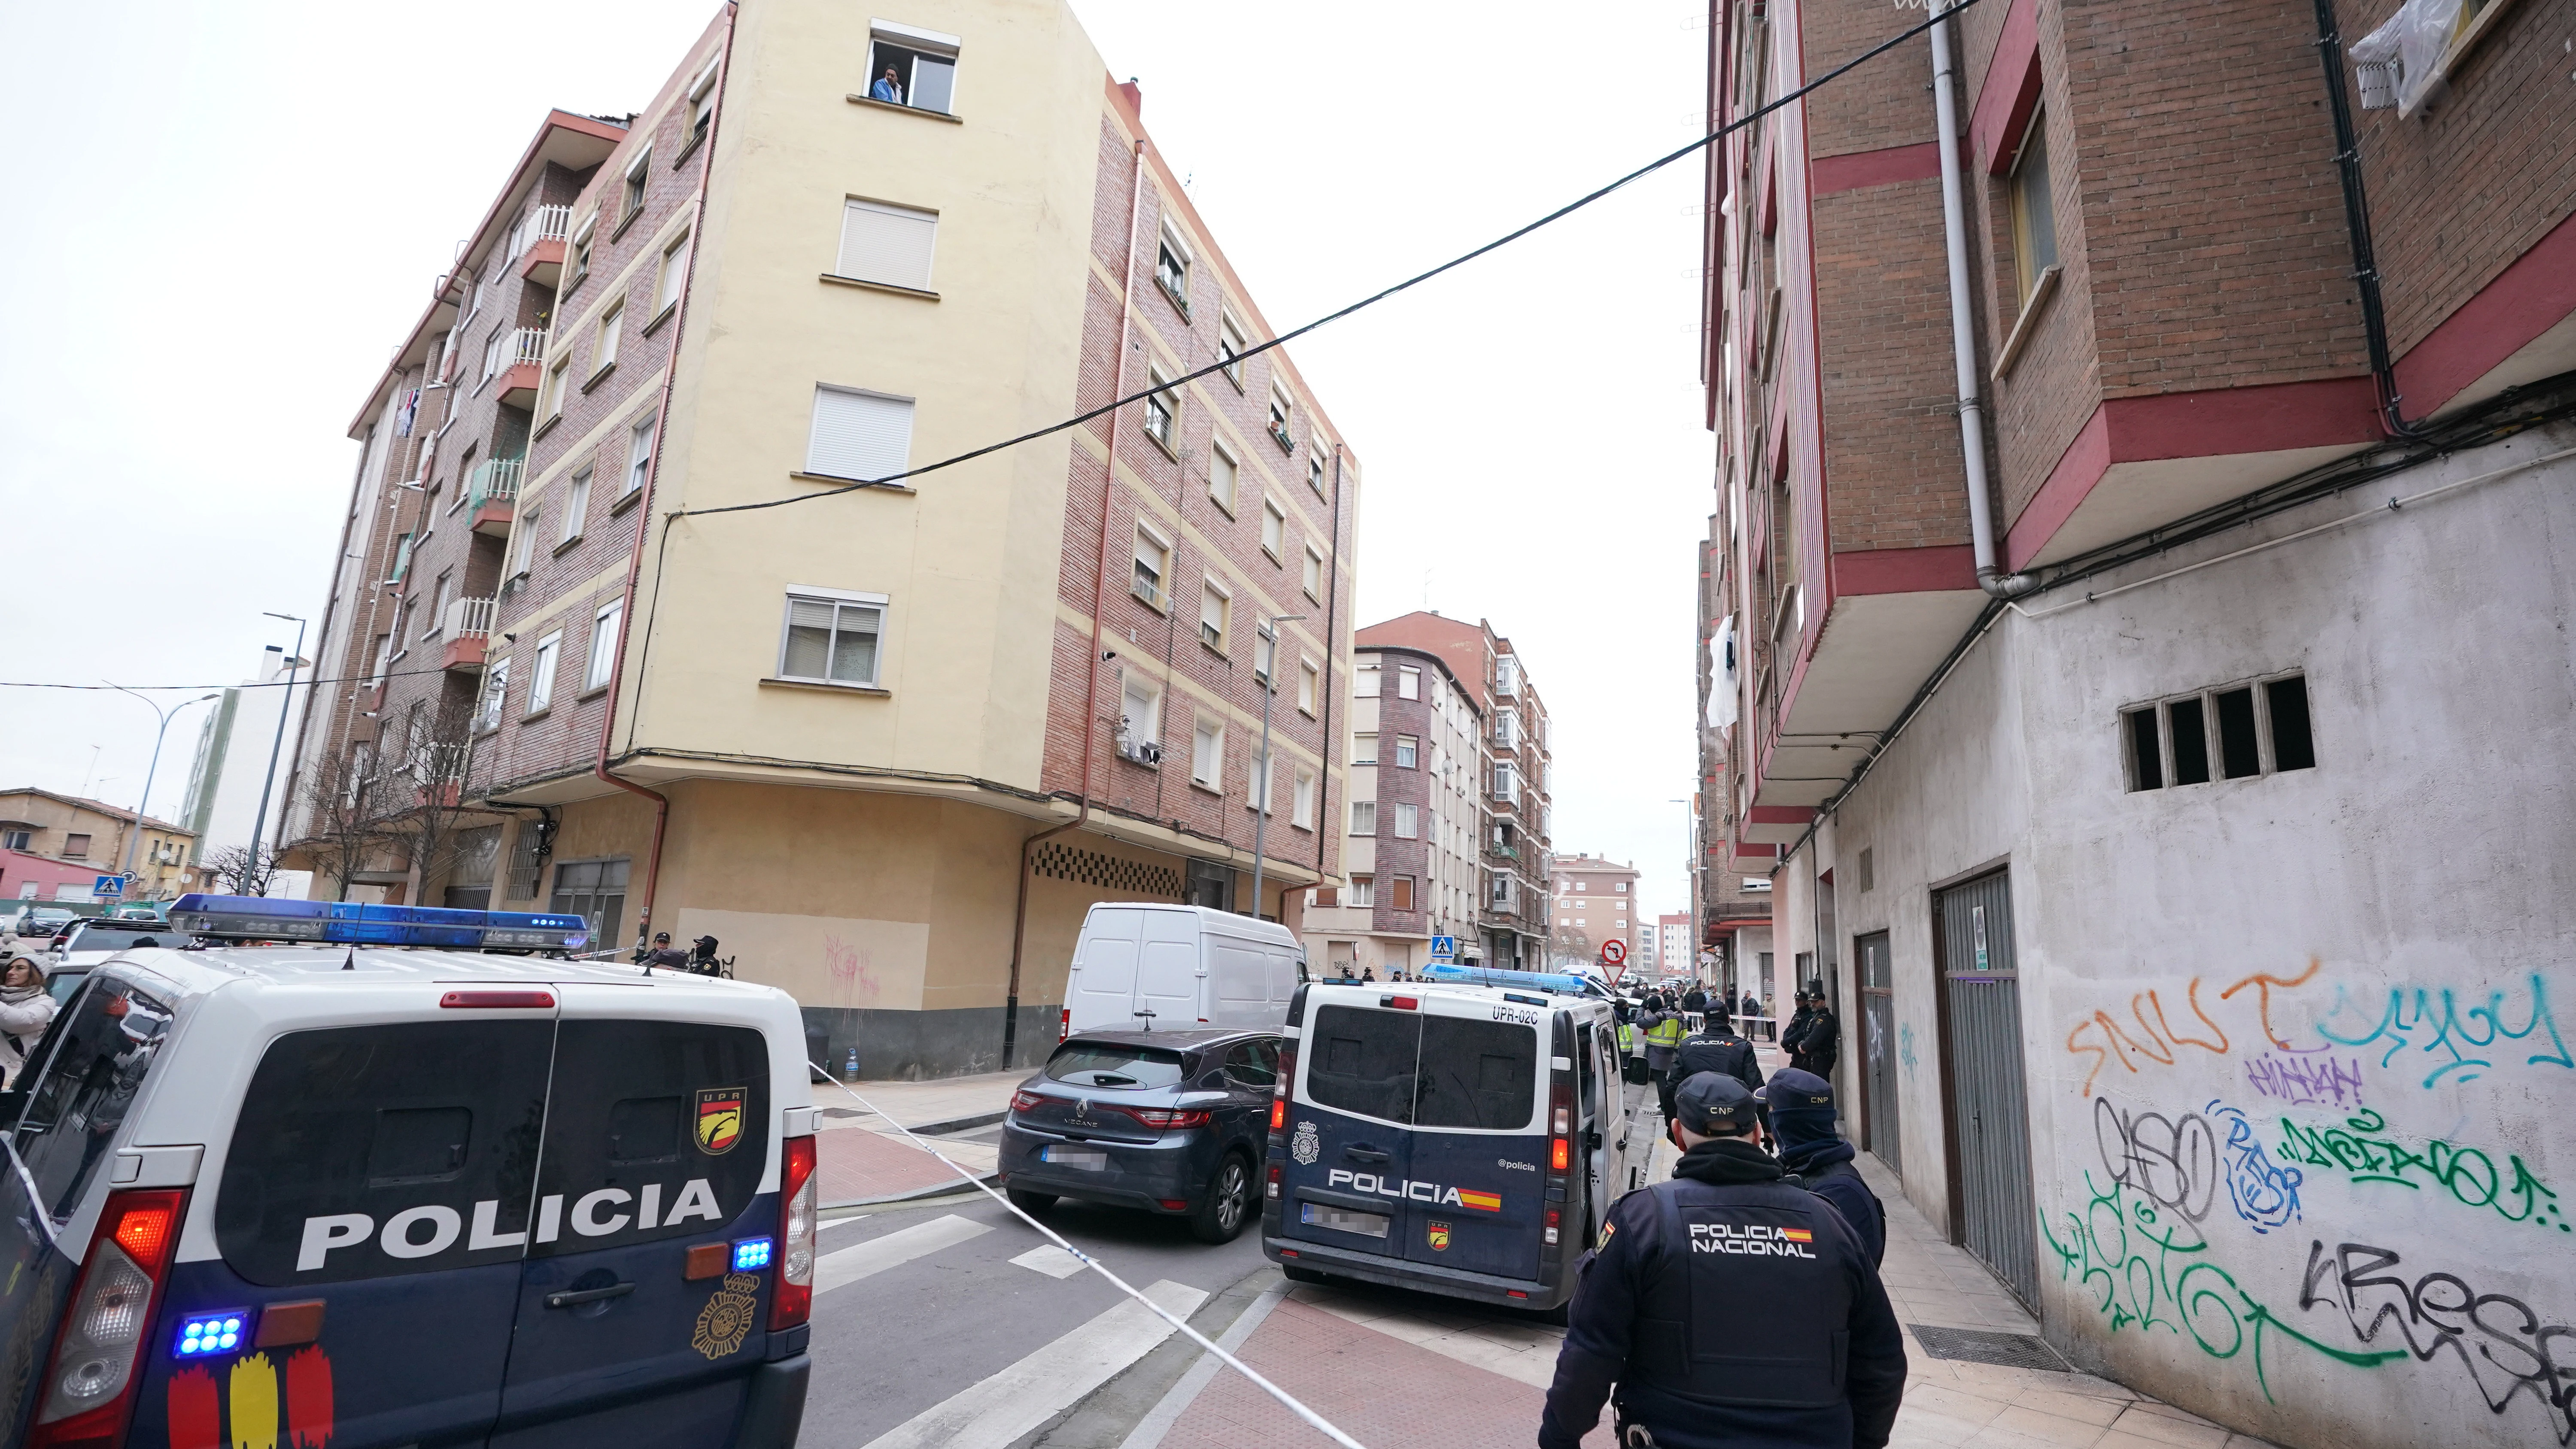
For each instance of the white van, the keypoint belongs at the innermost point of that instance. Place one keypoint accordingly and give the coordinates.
(1140, 967)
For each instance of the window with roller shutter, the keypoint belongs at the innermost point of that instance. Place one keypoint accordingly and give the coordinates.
(859, 435)
(889, 245)
(832, 640)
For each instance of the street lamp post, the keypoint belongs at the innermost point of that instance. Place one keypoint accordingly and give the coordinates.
(134, 841)
(1269, 687)
(259, 822)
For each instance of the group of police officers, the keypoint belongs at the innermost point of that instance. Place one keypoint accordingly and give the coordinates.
(1738, 1305)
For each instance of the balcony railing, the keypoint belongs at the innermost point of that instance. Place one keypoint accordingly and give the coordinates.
(493, 480)
(467, 618)
(528, 345)
(546, 223)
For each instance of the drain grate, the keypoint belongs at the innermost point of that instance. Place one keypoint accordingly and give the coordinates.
(2005, 1350)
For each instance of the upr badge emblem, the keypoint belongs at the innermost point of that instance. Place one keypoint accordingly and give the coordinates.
(719, 1119)
(1440, 1237)
(1303, 1146)
(726, 1320)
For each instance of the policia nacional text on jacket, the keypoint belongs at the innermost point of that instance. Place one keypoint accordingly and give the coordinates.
(1730, 1309)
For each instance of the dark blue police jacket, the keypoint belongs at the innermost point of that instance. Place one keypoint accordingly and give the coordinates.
(1733, 1311)
(1824, 1168)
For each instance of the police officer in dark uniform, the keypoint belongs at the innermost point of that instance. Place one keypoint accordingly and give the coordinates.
(1802, 1122)
(1716, 1048)
(1821, 1042)
(1729, 1308)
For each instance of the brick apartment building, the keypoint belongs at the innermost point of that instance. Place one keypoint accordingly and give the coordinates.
(2118, 581)
(1416, 818)
(1596, 902)
(887, 743)
(67, 842)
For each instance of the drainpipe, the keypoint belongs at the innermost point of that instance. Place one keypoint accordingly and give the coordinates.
(1099, 601)
(1963, 336)
(644, 512)
(2356, 219)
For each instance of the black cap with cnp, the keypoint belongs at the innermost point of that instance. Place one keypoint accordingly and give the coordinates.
(1714, 1105)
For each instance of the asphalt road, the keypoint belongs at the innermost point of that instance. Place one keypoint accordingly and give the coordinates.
(926, 1332)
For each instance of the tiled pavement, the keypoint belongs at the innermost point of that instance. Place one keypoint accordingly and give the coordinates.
(874, 1162)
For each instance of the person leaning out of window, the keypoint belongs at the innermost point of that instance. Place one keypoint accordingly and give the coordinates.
(25, 1011)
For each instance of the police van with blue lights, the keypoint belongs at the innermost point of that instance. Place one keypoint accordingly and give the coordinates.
(1460, 1138)
(365, 1175)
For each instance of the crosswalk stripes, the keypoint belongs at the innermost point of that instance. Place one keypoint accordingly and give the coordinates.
(1049, 1259)
(864, 1260)
(999, 1410)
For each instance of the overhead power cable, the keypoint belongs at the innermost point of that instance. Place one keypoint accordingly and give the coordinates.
(305, 682)
(1506, 239)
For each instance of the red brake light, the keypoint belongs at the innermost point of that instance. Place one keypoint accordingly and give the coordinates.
(498, 998)
(799, 1194)
(144, 1232)
(1278, 1113)
(1022, 1101)
(1169, 1117)
(1555, 1224)
(1063, 1026)
(1272, 1190)
(1560, 1153)
(88, 1389)
(1401, 1003)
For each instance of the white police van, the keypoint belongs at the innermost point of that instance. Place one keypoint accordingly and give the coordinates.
(340, 1193)
(1462, 1139)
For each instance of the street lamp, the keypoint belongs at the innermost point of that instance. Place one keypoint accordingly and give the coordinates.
(135, 840)
(259, 821)
(1269, 687)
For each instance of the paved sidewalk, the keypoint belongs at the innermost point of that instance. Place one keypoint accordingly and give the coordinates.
(875, 1164)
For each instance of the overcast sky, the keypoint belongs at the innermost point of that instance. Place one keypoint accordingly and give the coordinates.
(231, 213)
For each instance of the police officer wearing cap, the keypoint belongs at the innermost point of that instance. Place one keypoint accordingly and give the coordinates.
(1730, 1309)
(1802, 1123)
(1716, 1048)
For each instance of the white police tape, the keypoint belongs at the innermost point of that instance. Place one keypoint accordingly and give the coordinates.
(1266, 1386)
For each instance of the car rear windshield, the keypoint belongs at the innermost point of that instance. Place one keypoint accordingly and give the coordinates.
(1476, 1074)
(1107, 1064)
(1363, 1061)
(123, 938)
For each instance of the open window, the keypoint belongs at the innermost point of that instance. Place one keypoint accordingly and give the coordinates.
(909, 67)
(1172, 270)
(2034, 216)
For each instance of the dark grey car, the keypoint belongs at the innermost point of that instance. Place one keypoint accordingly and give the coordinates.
(1168, 1122)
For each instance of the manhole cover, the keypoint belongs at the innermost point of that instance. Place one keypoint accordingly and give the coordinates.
(2005, 1350)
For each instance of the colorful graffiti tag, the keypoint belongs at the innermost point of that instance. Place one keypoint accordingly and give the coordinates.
(2362, 1149)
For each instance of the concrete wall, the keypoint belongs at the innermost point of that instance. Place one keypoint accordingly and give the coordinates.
(2297, 1091)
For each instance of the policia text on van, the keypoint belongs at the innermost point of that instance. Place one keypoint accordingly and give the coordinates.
(277, 1195)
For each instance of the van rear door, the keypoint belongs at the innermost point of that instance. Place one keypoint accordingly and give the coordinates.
(1101, 995)
(1480, 1135)
(1349, 1151)
(643, 1303)
(1170, 975)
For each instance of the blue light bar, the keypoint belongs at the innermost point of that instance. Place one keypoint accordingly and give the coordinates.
(205, 1335)
(1563, 985)
(261, 918)
(751, 1255)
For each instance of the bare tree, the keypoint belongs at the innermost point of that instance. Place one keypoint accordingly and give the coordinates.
(239, 870)
(343, 799)
(426, 763)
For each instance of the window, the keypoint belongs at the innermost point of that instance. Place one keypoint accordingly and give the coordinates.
(1315, 470)
(1583, 885)
(15, 839)
(1621, 887)
(1407, 749)
(636, 175)
(1408, 822)
(1265, 651)
(1507, 675)
(890, 245)
(603, 646)
(1365, 684)
(1479, 1074)
(861, 436)
(1364, 749)
(582, 238)
(1140, 717)
(436, 614)
(541, 673)
(529, 524)
(1213, 607)
(1505, 779)
(1207, 755)
(1408, 682)
(2293, 747)
(675, 273)
(639, 456)
(1172, 270)
(603, 353)
(702, 106)
(1308, 679)
(551, 395)
(1153, 562)
(1229, 349)
(1274, 530)
(916, 68)
(1257, 781)
(2034, 219)
(1363, 1061)
(385, 655)
(1160, 407)
(1279, 414)
(1222, 473)
(101, 1054)
(831, 638)
(576, 506)
(1400, 894)
(1364, 817)
(1301, 811)
(492, 353)
(1363, 891)
(2255, 729)
(76, 846)
(595, 890)
(1506, 731)
(496, 689)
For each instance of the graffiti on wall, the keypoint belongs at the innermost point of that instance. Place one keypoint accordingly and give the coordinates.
(2306, 1081)
(1905, 1048)
(2181, 1163)
(2507, 1349)
(2158, 1040)
(854, 977)
(2363, 1149)
(2432, 1020)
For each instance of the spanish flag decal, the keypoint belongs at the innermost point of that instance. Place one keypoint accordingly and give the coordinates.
(719, 1119)
(1491, 1202)
(1798, 1235)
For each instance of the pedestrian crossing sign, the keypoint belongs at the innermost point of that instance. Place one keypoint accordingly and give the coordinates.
(108, 885)
(1444, 948)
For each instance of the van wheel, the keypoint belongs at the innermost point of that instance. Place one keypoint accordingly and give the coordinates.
(1228, 1207)
(1032, 1203)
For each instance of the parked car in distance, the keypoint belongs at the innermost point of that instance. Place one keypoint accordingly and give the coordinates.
(33, 922)
(1145, 967)
(89, 942)
(1169, 1122)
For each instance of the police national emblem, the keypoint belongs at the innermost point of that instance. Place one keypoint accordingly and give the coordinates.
(1304, 1146)
(726, 1320)
(1439, 1237)
(719, 1119)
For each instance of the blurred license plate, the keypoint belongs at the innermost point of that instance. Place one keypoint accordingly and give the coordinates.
(1343, 1220)
(1090, 1159)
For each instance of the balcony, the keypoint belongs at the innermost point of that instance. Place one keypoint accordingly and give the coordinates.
(491, 495)
(541, 245)
(521, 364)
(466, 628)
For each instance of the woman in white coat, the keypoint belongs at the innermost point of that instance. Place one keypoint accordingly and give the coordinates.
(25, 1010)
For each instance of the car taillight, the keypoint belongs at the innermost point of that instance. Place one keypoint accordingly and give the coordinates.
(1023, 1101)
(1555, 1220)
(1271, 1191)
(1169, 1117)
(455, 999)
(1278, 1113)
(1560, 1146)
(89, 1391)
(798, 1195)
(1063, 1025)
(1279, 1090)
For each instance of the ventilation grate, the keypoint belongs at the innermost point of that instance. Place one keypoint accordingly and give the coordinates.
(2005, 1350)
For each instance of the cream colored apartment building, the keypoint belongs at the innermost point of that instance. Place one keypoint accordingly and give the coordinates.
(1596, 902)
(888, 737)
